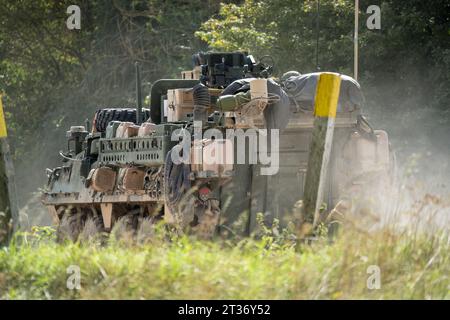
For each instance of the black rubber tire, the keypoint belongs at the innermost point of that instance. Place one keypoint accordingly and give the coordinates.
(105, 116)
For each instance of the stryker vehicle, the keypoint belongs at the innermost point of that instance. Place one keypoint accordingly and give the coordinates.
(124, 168)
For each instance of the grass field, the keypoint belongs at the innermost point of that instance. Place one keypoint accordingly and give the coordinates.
(412, 265)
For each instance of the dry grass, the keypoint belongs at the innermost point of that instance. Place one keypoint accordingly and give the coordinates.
(414, 264)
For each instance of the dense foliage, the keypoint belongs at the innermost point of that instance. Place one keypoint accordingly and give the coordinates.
(411, 265)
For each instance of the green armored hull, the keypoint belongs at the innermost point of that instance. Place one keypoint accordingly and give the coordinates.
(126, 168)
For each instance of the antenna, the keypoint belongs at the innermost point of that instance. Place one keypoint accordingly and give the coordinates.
(138, 95)
(355, 43)
(317, 35)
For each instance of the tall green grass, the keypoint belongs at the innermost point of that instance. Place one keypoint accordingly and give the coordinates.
(413, 265)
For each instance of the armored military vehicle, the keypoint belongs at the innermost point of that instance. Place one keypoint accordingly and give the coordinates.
(194, 159)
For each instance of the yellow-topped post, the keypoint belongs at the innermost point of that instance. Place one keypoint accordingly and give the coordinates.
(325, 108)
(3, 132)
(8, 209)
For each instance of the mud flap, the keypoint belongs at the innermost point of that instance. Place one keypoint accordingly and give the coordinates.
(54, 214)
(107, 210)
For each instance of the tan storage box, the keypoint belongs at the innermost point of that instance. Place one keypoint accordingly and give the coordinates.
(132, 179)
(217, 156)
(191, 74)
(146, 129)
(102, 179)
(127, 130)
(131, 131)
(180, 103)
